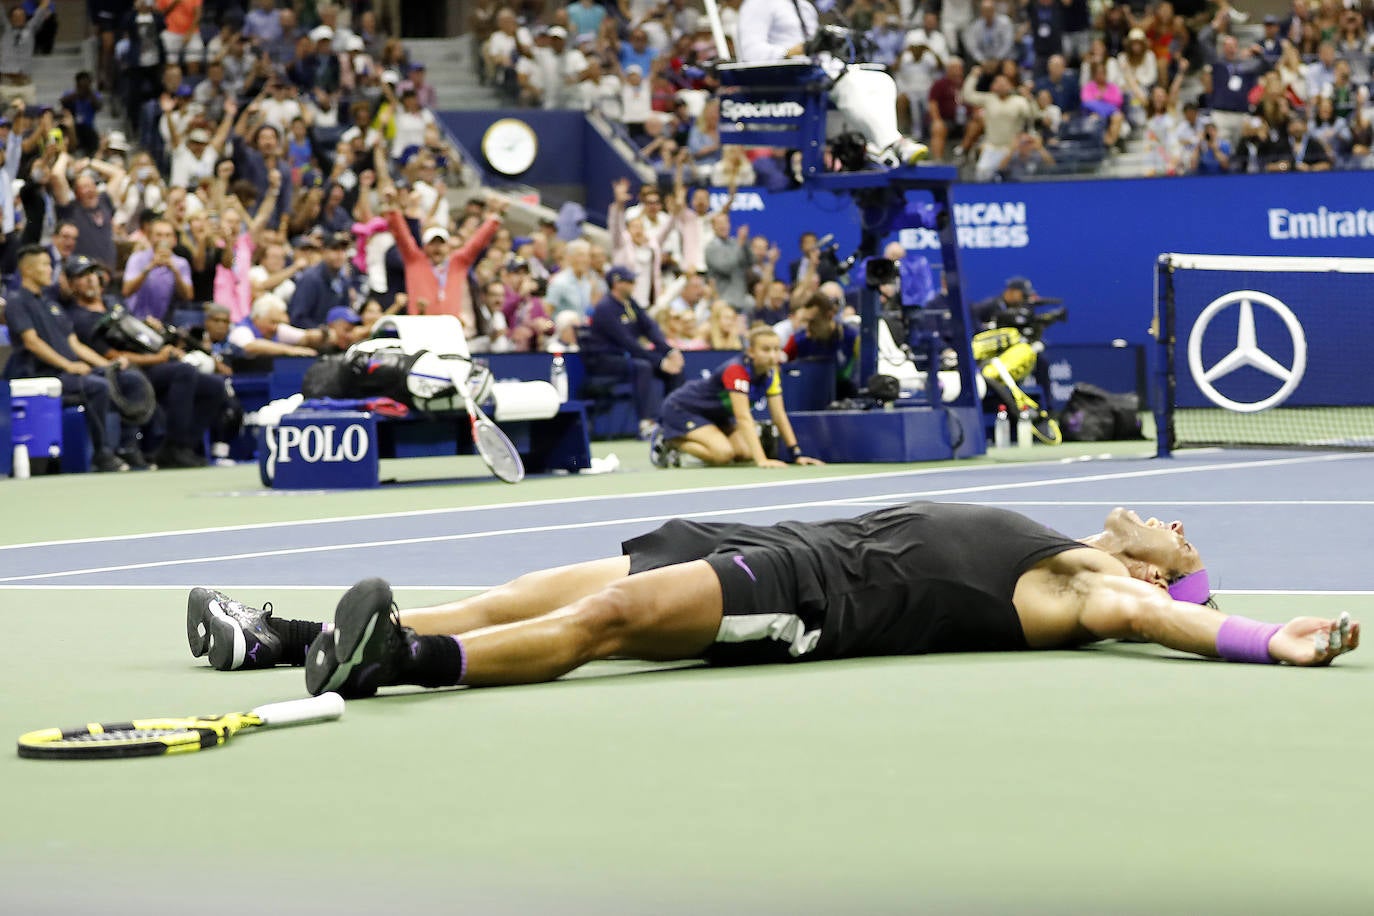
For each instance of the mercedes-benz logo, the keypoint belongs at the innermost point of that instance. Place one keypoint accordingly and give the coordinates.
(1247, 351)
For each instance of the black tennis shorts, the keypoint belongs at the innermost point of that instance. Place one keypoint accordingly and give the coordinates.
(764, 620)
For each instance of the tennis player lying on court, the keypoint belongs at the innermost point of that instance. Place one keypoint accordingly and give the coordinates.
(917, 578)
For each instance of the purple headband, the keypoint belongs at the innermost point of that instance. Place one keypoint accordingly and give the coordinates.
(1193, 588)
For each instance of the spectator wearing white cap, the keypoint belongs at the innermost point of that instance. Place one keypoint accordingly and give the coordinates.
(353, 60)
(321, 69)
(436, 270)
(195, 153)
(328, 13)
(636, 101)
(919, 65)
(548, 75)
(1139, 70)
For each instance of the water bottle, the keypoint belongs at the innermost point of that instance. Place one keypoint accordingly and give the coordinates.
(1001, 429)
(21, 462)
(558, 377)
(1024, 429)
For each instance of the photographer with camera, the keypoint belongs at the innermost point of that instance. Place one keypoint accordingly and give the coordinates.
(824, 337)
(190, 399)
(1008, 347)
(155, 278)
(819, 259)
(1213, 153)
(776, 30)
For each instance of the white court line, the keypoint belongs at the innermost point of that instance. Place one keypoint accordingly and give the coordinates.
(1338, 592)
(415, 513)
(398, 542)
(687, 491)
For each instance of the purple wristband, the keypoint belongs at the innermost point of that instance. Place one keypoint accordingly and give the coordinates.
(1241, 639)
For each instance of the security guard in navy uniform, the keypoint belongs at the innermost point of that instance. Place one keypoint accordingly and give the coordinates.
(621, 331)
(45, 345)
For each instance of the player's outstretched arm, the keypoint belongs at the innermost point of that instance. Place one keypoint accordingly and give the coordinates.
(1119, 607)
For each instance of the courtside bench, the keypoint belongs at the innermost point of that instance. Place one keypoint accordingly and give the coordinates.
(337, 449)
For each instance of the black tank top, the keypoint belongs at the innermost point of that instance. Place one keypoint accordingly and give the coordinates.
(921, 577)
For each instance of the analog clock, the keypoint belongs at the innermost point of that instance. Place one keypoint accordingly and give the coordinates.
(510, 146)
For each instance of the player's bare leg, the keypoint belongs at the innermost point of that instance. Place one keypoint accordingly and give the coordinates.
(531, 595)
(663, 614)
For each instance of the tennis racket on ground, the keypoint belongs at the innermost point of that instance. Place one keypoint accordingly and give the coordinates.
(493, 445)
(149, 737)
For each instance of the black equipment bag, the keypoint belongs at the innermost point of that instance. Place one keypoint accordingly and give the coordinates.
(327, 377)
(1095, 415)
(361, 373)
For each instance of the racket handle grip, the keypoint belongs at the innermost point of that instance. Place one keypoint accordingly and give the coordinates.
(313, 709)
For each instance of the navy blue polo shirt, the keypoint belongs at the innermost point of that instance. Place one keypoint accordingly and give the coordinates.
(318, 290)
(26, 311)
(1231, 84)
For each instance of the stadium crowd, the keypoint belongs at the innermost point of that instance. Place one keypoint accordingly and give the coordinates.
(280, 182)
(1013, 89)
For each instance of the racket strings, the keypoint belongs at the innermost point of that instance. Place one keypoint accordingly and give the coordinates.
(135, 734)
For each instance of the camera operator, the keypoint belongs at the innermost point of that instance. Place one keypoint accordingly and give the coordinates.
(155, 277)
(189, 399)
(1015, 309)
(776, 30)
(1213, 153)
(825, 337)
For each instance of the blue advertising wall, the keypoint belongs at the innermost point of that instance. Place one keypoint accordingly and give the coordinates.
(1094, 243)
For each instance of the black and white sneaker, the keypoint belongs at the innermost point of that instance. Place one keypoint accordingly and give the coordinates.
(365, 648)
(105, 462)
(232, 633)
(658, 450)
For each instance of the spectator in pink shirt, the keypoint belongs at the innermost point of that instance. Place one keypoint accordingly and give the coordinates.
(1104, 100)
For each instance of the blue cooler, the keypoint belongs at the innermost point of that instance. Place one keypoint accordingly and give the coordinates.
(36, 417)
